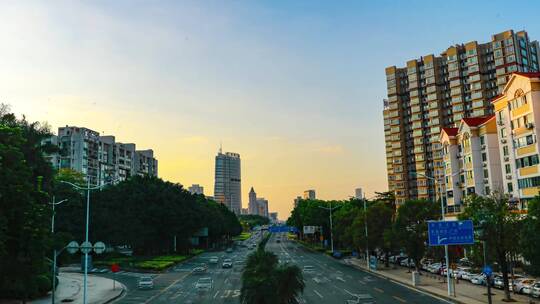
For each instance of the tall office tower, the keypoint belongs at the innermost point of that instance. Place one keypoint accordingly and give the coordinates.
(196, 189)
(273, 217)
(227, 184)
(309, 194)
(433, 92)
(252, 205)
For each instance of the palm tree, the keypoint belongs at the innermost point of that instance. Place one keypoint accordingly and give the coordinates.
(264, 281)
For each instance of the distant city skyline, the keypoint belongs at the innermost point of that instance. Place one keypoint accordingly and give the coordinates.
(295, 87)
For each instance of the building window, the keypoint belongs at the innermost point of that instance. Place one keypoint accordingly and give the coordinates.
(524, 141)
(507, 169)
(482, 140)
(529, 182)
(484, 157)
(527, 161)
(486, 174)
(505, 150)
(510, 187)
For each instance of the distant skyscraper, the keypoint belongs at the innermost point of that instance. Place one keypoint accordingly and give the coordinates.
(358, 193)
(296, 201)
(262, 205)
(196, 189)
(273, 217)
(252, 205)
(309, 194)
(227, 184)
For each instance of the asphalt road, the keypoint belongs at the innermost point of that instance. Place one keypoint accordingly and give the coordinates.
(178, 284)
(333, 281)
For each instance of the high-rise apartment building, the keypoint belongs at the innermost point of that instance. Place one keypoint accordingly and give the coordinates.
(433, 92)
(196, 189)
(227, 184)
(297, 200)
(309, 194)
(99, 158)
(262, 206)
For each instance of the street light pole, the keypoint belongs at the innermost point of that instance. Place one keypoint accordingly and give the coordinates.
(366, 230)
(88, 189)
(54, 249)
(331, 230)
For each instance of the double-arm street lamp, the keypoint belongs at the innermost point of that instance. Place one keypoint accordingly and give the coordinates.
(439, 184)
(87, 189)
(330, 209)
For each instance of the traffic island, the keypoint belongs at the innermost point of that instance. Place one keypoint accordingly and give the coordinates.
(70, 290)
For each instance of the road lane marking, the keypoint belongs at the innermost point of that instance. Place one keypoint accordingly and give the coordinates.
(217, 292)
(378, 289)
(399, 299)
(320, 295)
(340, 279)
(362, 282)
(164, 290)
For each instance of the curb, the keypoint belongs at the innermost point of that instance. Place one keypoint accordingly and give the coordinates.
(121, 294)
(420, 289)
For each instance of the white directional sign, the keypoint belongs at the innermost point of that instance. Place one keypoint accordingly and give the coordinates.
(86, 247)
(99, 247)
(309, 229)
(72, 247)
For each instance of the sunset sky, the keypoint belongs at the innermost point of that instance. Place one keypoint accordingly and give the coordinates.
(294, 87)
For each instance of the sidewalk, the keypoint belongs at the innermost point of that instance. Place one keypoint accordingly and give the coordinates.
(70, 289)
(466, 292)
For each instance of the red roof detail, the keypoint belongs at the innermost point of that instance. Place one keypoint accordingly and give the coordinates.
(450, 131)
(529, 75)
(476, 121)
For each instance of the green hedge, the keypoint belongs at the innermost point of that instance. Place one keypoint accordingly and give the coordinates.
(156, 263)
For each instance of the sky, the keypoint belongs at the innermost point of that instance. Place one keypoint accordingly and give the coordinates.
(294, 87)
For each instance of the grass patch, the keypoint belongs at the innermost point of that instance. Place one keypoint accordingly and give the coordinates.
(242, 237)
(156, 263)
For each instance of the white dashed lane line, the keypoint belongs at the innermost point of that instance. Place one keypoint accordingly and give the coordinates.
(320, 295)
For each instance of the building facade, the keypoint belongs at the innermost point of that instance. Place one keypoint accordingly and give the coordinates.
(358, 193)
(99, 158)
(517, 110)
(434, 92)
(252, 204)
(227, 183)
(196, 189)
(471, 161)
(309, 194)
(262, 206)
(297, 200)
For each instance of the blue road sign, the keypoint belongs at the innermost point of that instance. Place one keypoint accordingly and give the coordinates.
(276, 229)
(487, 271)
(442, 233)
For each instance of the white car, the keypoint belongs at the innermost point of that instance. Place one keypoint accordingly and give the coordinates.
(520, 285)
(145, 282)
(213, 260)
(458, 273)
(535, 292)
(479, 280)
(227, 263)
(204, 284)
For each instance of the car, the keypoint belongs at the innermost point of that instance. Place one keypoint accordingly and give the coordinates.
(278, 241)
(145, 282)
(520, 284)
(308, 269)
(229, 250)
(200, 269)
(535, 292)
(498, 282)
(458, 273)
(472, 276)
(213, 260)
(468, 275)
(227, 263)
(204, 284)
(479, 280)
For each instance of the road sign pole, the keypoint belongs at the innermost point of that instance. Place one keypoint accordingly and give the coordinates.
(448, 282)
(488, 276)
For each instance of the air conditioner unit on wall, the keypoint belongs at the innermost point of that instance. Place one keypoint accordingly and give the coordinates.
(529, 125)
(503, 141)
(506, 158)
